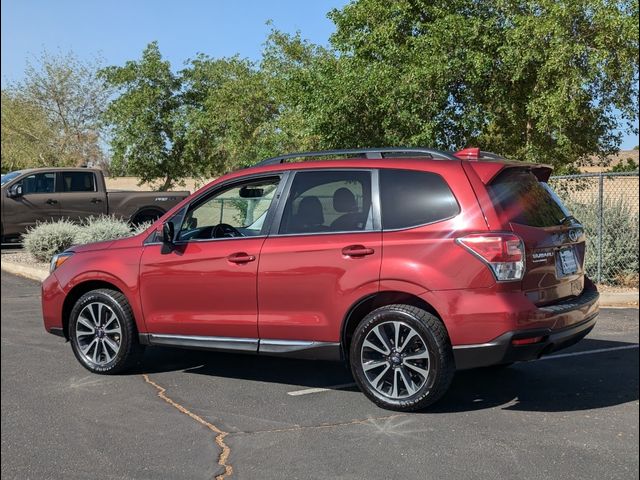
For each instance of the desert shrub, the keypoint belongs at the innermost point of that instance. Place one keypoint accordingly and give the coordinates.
(619, 240)
(46, 239)
(141, 227)
(102, 228)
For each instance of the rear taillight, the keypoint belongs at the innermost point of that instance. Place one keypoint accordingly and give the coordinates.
(503, 252)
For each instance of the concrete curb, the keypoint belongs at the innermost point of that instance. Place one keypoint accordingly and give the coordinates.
(619, 299)
(33, 273)
(607, 299)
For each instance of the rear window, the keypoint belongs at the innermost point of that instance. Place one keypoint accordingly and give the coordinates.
(409, 198)
(525, 200)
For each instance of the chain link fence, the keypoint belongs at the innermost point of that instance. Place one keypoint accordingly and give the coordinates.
(607, 205)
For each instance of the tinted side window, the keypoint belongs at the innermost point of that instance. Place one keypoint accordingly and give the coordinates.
(328, 201)
(38, 183)
(410, 198)
(78, 182)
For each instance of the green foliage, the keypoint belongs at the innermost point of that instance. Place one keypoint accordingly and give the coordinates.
(620, 241)
(630, 165)
(52, 117)
(28, 136)
(148, 121)
(46, 239)
(538, 80)
(102, 228)
(534, 80)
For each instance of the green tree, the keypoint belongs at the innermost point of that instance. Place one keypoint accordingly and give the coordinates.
(229, 113)
(147, 121)
(53, 115)
(537, 80)
(29, 139)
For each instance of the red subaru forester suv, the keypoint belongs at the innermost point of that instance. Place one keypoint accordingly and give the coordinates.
(407, 263)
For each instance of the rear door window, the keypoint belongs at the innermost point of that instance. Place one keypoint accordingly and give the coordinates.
(411, 198)
(78, 182)
(328, 201)
(523, 199)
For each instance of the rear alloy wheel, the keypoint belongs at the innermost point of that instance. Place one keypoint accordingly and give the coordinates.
(102, 332)
(401, 357)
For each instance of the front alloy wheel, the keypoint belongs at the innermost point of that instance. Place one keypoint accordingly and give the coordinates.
(103, 333)
(98, 333)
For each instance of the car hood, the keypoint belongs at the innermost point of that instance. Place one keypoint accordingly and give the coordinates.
(90, 247)
(127, 242)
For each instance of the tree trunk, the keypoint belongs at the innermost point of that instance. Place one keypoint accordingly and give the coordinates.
(168, 183)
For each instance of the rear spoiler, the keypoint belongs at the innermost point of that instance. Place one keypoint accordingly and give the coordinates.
(487, 165)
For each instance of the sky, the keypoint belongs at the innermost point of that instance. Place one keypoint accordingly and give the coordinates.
(118, 30)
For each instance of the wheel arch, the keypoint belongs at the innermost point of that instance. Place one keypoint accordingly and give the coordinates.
(362, 307)
(76, 292)
(148, 209)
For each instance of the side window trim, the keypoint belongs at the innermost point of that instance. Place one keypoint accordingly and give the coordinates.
(375, 202)
(225, 186)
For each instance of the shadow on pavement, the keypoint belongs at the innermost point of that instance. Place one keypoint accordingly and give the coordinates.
(565, 384)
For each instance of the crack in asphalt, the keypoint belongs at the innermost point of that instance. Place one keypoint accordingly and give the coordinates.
(220, 434)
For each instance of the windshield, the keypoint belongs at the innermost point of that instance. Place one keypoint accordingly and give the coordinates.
(7, 177)
(527, 201)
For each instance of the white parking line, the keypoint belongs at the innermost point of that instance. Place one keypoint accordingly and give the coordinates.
(588, 352)
(307, 391)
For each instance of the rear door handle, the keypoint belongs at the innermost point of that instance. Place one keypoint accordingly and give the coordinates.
(357, 251)
(51, 201)
(96, 200)
(241, 257)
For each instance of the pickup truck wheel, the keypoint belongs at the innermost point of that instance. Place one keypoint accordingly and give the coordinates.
(102, 332)
(149, 215)
(401, 357)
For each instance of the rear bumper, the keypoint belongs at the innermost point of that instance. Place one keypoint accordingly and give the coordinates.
(568, 321)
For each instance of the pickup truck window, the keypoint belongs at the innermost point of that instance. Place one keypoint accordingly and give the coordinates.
(38, 183)
(78, 182)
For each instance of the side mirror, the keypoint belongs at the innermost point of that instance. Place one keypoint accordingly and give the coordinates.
(168, 233)
(15, 191)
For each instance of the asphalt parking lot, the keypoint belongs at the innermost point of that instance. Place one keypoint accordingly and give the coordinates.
(187, 414)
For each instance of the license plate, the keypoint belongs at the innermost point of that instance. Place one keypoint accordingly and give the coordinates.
(568, 263)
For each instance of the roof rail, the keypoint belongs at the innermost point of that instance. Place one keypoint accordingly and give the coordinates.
(369, 153)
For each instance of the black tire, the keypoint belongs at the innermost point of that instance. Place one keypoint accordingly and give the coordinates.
(129, 351)
(146, 215)
(432, 335)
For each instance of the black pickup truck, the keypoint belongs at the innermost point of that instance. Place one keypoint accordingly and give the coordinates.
(48, 194)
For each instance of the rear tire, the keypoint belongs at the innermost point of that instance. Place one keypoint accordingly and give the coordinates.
(103, 333)
(401, 358)
(146, 216)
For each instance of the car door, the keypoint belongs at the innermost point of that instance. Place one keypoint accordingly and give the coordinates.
(202, 291)
(37, 203)
(322, 256)
(79, 197)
